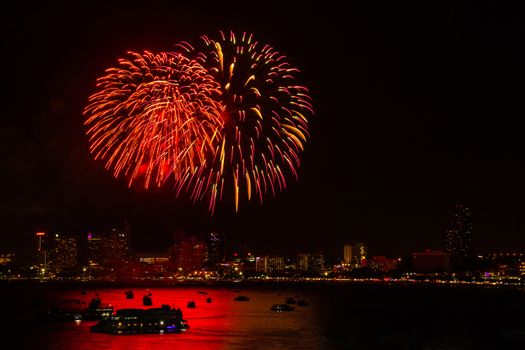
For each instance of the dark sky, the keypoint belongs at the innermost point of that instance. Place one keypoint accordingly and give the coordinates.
(417, 107)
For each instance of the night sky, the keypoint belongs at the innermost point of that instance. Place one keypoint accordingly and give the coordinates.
(417, 107)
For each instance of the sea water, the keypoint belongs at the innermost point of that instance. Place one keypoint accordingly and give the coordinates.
(338, 316)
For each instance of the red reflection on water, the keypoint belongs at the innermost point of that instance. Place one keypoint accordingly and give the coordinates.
(221, 324)
(207, 321)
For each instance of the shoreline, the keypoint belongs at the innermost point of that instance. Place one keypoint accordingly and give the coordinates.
(254, 283)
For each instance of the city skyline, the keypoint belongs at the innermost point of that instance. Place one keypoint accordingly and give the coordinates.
(407, 124)
(456, 242)
(108, 256)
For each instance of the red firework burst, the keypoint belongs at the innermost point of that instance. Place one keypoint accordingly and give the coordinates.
(228, 116)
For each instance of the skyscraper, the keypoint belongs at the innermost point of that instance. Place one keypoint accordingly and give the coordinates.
(354, 255)
(95, 250)
(56, 252)
(310, 262)
(270, 264)
(457, 239)
(215, 251)
(62, 252)
(117, 246)
(108, 249)
(41, 252)
(188, 253)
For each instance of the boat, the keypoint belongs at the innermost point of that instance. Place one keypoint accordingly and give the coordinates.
(135, 321)
(208, 300)
(202, 292)
(129, 294)
(282, 307)
(146, 300)
(290, 300)
(241, 298)
(98, 311)
(57, 314)
(65, 311)
(302, 302)
(191, 304)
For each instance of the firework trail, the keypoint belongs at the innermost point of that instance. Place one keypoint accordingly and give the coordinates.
(155, 116)
(225, 116)
(265, 117)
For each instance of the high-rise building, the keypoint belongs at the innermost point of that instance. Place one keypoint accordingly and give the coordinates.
(108, 249)
(40, 240)
(95, 250)
(457, 239)
(56, 252)
(310, 262)
(62, 252)
(215, 251)
(41, 252)
(188, 253)
(117, 248)
(270, 264)
(354, 255)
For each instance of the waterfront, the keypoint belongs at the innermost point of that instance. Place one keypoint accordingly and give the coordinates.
(349, 316)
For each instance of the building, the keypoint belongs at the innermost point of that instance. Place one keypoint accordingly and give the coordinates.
(96, 256)
(307, 262)
(457, 239)
(117, 246)
(431, 261)
(56, 252)
(384, 264)
(354, 255)
(240, 253)
(62, 252)
(188, 254)
(41, 253)
(215, 250)
(270, 264)
(108, 249)
(506, 264)
(150, 264)
(7, 258)
(290, 265)
(152, 258)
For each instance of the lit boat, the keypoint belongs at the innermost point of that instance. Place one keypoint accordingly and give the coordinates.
(65, 310)
(282, 307)
(241, 298)
(98, 311)
(134, 321)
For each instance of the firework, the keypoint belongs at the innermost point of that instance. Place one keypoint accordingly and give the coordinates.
(153, 117)
(227, 116)
(265, 117)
